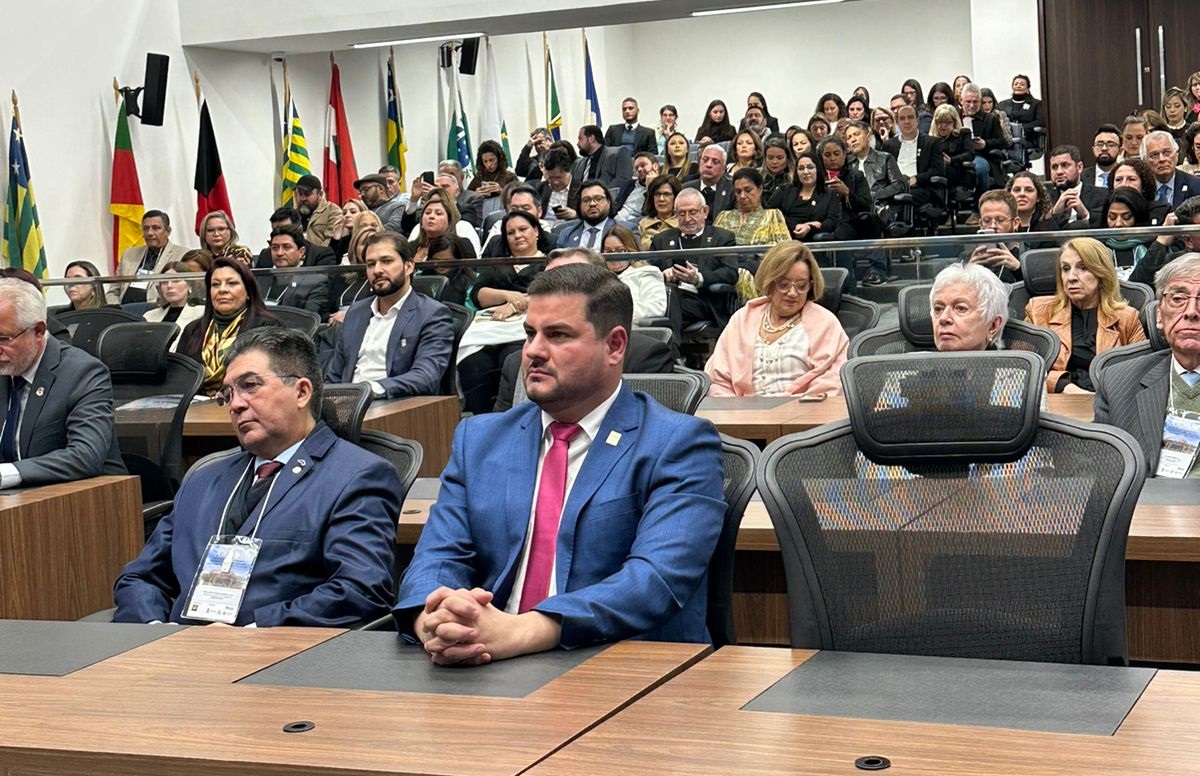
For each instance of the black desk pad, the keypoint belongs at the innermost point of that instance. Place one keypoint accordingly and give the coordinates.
(41, 648)
(1161, 491)
(746, 402)
(1044, 697)
(377, 660)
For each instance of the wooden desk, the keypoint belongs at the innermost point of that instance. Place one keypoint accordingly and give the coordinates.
(62, 546)
(765, 425)
(429, 420)
(172, 708)
(694, 726)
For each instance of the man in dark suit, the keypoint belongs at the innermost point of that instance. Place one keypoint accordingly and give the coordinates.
(581, 529)
(1076, 198)
(323, 509)
(612, 166)
(1168, 247)
(1106, 144)
(713, 183)
(1161, 151)
(1139, 393)
(59, 421)
(987, 137)
(595, 219)
(696, 279)
(920, 159)
(631, 135)
(558, 189)
(309, 291)
(314, 255)
(400, 341)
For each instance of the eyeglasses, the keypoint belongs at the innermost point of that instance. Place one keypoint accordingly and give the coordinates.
(1177, 301)
(7, 339)
(1160, 154)
(246, 387)
(1105, 144)
(592, 200)
(991, 223)
(800, 286)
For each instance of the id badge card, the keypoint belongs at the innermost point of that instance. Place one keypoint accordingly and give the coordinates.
(222, 578)
(1181, 439)
(141, 285)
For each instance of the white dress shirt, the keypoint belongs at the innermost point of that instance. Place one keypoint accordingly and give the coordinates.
(908, 158)
(9, 476)
(371, 365)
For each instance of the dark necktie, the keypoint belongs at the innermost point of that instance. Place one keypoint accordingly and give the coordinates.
(710, 196)
(628, 127)
(254, 494)
(8, 441)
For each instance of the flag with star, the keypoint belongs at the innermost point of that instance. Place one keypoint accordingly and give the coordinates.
(23, 246)
(396, 145)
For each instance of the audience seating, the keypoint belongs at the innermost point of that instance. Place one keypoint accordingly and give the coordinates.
(853, 313)
(945, 516)
(85, 325)
(1039, 277)
(681, 390)
(431, 286)
(1154, 341)
(138, 308)
(404, 454)
(739, 459)
(296, 318)
(343, 408)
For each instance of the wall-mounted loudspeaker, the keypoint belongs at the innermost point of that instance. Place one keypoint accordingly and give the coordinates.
(469, 56)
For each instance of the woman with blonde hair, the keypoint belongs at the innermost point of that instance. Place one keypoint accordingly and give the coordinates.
(1086, 312)
(782, 342)
(219, 237)
(678, 158)
(340, 239)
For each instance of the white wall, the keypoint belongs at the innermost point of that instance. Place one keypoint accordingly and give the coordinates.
(63, 63)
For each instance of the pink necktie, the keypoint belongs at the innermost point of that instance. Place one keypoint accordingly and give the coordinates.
(552, 490)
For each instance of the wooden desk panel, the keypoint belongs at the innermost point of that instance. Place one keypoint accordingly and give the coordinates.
(429, 420)
(694, 726)
(171, 709)
(62, 546)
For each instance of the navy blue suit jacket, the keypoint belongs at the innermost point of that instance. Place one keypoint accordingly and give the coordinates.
(636, 535)
(1186, 186)
(327, 540)
(418, 349)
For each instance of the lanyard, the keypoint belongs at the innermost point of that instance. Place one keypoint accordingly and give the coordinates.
(262, 509)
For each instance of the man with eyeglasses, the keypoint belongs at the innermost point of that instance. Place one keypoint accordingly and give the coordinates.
(148, 259)
(1106, 144)
(697, 277)
(1173, 186)
(595, 202)
(1156, 396)
(58, 426)
(713, 183)
(295, 527)
(998, 215)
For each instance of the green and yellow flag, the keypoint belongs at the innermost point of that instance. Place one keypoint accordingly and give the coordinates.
(295, 148)
(554, 120)
(125, 194)
(396, 147)
(23, 246)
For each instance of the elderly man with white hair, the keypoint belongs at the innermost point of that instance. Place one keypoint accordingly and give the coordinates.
(969, 307)
(1172, 186)
(696, 276)
(987, 136)
(713, 183)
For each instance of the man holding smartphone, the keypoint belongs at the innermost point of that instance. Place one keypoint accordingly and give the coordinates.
(697, 278)
(998, 215)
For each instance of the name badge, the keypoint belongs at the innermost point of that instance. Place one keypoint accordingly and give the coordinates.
(1181, 439)
(222, 578)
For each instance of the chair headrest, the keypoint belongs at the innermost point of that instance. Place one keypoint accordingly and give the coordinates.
(979, 407)
(912, 307)
(136, 352)
(835, 278)
(1039, 271)
(1149, 319)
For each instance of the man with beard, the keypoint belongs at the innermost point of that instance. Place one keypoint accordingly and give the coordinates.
(400, 341)
(1076, 198)
(319, 215)
(595, 204)
(314, 255)
(373, 189)
(1106, 144)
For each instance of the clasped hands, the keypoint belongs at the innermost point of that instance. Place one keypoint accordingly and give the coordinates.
(462, 627)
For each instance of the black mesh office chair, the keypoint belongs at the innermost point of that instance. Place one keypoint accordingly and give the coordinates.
(947, 517)
(915, 332)
(1039, 277)
(854, 314)
(461, 321)
(85, 326)
(739, 459)
(681, 390)
(296, 318)
(404, 454)
(431, 286)
(1155, 340)
(661, 333)
(343, 408)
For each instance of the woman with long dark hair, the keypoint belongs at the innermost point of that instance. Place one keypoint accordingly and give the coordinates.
(716, 127)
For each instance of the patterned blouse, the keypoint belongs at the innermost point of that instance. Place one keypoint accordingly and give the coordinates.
(761, 227)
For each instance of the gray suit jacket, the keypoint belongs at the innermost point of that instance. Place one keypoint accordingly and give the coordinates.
(131, 259)
(308, 291)
(614, 167)
(66, 432)
(1133, 396)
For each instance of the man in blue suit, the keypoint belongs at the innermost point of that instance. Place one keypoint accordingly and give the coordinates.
(400, 341)
(1172, 186)
(323, 509)
(585, 516)
(595, 219)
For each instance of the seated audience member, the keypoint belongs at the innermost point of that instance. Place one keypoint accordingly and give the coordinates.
(1188, 149)
(960, 83)
(491, 172)
(677, 157)
(499, 295)
(716, 128)
(749, 221)
(819, 128)
(394, 200)
(315, 528)
(519, 197)
(757, 100)
(1024, 109)
(914, 95)
(458, 279)
(1086, 312)
(528, 160)
(658, 212)
(998, 215)
(1175, 112)
(314, 254)
(1033, 202)
(1155, 396)
(148, 259)
(801, 141)
(220, 238)
(941, 93)
(470, 204)
(307, 291)
(345, 290)
(882, 125)
(86, 295)
(808, 207)
(400, 341)
(173, 300)
(957, 152)
(697, 300)
(595, 219)
(1106, 145)
(59, 426)
(440, 216)
(232, 305)
(631, 196)
(1126, 209)
(883, 181)
(776, 169)
(668, 118)
(54, 326)
(1167, 247)
(920, 159)
(612, 166)
(746, 151)
(1172, 186)
(1133, 131)
(987, 104)
(373, 189)
(754, 122)
(782, 343)
(645, 280)
(319, 217)
(639, 571)
(644, 355)
(857, 109)
(1193, 91)
(831, 107)
(986, 136)
(969, 307)
(560, 189)
(1136, 174)
(1076, 198)
(339, 241)
(630, 134)
(713, 183)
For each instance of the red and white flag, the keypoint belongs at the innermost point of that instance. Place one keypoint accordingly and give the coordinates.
(340, 172)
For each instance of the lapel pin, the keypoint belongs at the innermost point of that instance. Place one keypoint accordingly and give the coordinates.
(671, 243)
(41, 391)
(613, 438)
(295, 470)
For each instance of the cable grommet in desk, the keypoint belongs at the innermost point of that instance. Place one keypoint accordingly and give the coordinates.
(872, 763)
(299, 727)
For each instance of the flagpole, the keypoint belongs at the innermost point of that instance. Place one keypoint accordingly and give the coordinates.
(116, 90)
(546, 73)
(16, 109)
(196, 85)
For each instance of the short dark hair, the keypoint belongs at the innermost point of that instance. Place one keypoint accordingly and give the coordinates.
(289, 351)
(399, 244)
(291, 230)
(286, 214)
(592, 131)
(596, 183)
(166, 219)
(1106, 129)
(646, 155)
(750, 173)
(1188, 209)
(609, 301)
(1139, 206)
(523, 188)
(1070, 150)
(556, 159)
